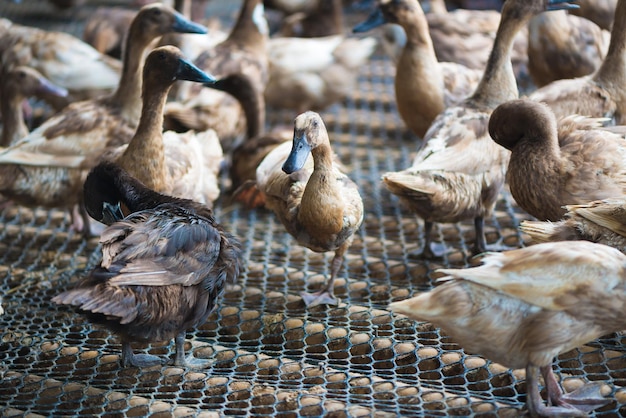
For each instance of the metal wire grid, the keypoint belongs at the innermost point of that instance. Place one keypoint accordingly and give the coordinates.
(271, 356)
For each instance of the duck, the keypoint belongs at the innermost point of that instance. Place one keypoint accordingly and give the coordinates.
(164, 265)
(459, 171)
(47, 167)
(245, 50)
(314, 73)
(17, 85)
(553, 165)
(318, 204)
(320, 19)
(106, 28)
(600, 221)
(62, 58)
(600, 94)
(521, 308)
(600, 12)
(424, 87)
(181, 165)
(562, 45)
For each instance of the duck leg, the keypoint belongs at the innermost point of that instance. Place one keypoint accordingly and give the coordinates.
(560, 405)
(190, 361)
(326, 296)
(480, 242)
(585, 399)
(137, 360)
(432, 250)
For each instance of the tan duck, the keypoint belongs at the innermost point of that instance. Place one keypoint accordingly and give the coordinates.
(600, 12)
(244, 51)
(460, 171)
(314, 73)
(424, 87)
(522, 308)
(39, 170)
(561, 46)
(180, 165)
(62, 58)
(601, 94)
(601, 221)
(17, 85)
(552, 166)
(163, 266)
(318, 204)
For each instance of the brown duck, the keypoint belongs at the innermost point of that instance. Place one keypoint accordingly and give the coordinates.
(163, 266)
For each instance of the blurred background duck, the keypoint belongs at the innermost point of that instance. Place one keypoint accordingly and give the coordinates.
(62, 58)
(561, 45)
(600, 12)
(522, 308)
(318, 204)
(41, 168)
(553, 165)
(180, 165)
(17, 85)
(106, 28)
(244, 51)
(601, 94)
(314, 19)
(424, 87)
(459, 172)
(163, 266)
(601, 221)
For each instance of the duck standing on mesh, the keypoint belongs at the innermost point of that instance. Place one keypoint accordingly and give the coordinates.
(163, 266)
(522, 308)
(318, 204)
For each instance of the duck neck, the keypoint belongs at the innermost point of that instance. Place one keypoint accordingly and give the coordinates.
(13, 126)
(498, 84)
(251, 28)
(438, 6)
(128, 93)
(144, 158)
(612, 73)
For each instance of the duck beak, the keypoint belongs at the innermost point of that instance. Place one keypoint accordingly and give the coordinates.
(374, 20)
(561, 5)
(183, 25)
(46, 87)
(299, 153)
(188, 71)
(111, 213)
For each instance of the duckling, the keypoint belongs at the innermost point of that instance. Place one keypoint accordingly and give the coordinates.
(62, 58)
(17, 85)
(460, 171)
(181, 165)
(163, 266)
(42, 169)
(561, 46)
(601, 94)
(106, 28)
(552, 166)
(600, 12)
(314, 73)
(244, 51)
(522, 308)
(424, 87)
(318, 204)
(600, 221)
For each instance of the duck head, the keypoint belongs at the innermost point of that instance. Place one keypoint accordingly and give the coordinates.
(31, 83)
(157, 19)
(309, 132)
(520, 119)
(107, 186)
(166, 64)
(387, 11)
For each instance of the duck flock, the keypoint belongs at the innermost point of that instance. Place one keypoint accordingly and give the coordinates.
(155, 115)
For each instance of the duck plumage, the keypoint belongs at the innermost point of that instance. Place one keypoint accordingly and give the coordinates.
(553, 165)
(163, 266)
(44, 168)
(318, 204)
(459, 173)
(561, 45)
(423, 86)
(600, 12)
(600, 221)
(601, 94)
(522, 308)
(18, 84)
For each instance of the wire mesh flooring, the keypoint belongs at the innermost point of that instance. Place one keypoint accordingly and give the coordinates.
(270, 356)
